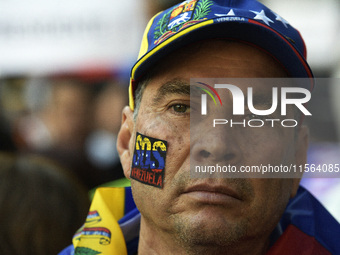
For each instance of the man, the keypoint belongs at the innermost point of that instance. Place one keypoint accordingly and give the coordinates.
(158, 143)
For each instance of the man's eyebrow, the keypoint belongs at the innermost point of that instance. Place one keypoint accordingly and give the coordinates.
(178, 87)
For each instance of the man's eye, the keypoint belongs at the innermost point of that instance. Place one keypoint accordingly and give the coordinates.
(180, 108)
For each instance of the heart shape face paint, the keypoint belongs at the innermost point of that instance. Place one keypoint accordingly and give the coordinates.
(149, 160)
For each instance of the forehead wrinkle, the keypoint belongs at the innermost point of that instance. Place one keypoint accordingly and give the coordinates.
(175, 86)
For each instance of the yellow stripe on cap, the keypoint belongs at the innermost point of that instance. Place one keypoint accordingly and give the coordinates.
(144, 48)
(145, 44)
(131, 98)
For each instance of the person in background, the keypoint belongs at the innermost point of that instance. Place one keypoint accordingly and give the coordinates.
(60, 126)
(101, 142)
(41, 205)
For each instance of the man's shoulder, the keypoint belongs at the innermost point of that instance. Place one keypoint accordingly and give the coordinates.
(306, 224)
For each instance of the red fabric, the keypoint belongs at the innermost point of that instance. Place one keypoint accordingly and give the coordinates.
(294, 241)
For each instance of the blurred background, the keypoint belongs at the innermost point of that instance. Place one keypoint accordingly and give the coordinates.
(64, 73)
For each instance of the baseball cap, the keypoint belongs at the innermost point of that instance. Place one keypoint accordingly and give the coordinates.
(243, 20)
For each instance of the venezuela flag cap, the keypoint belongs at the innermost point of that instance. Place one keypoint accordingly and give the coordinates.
(241, 20)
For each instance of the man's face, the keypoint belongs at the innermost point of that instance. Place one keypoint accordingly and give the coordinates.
(212, 211)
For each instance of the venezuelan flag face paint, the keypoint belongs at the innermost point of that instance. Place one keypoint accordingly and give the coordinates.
(149, 160)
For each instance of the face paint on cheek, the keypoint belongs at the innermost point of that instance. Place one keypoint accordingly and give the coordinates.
(149, 160)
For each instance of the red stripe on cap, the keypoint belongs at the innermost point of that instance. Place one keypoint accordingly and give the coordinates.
(304, 46)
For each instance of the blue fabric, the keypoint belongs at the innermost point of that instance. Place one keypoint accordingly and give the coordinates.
(129, 202)
(69, 250)
(130, 212)
(309, 215)
(129, 216)
(132, 246)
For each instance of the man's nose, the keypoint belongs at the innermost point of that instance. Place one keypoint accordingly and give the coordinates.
(218, 144)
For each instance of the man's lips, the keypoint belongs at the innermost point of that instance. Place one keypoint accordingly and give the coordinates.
(212, 194)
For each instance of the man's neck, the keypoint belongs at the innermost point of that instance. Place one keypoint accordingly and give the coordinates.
(157, 242)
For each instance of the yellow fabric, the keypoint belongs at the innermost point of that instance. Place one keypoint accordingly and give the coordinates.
(120, 183)
(107, 208)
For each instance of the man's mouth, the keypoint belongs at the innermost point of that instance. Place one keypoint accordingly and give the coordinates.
(212, 193)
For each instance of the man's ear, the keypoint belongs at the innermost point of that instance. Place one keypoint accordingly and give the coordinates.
(124, 140)
(301, 148)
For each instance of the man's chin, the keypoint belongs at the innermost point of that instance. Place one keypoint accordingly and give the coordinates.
(210, 226)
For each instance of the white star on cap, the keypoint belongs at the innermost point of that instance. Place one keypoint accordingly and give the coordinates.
(230, 13)
(262, 16)
(279, 18)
